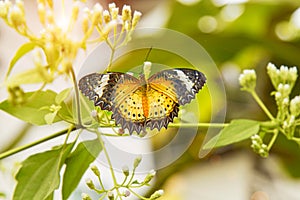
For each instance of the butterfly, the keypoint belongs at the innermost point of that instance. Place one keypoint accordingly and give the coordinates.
(140, 103)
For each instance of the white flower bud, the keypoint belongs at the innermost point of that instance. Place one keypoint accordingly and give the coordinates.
(114, 13)
(126, 193)
(96, 171)
(17, 16)
(156, 194)
(75, 11)
(248, 80)
(4, 7)
(126, 13)
(271, 68)
(90, 184)
(125, 170)
(20, 4)
(136, 18)
(295, 106)
(108, 27)
(50, 17)
(85, 23)
(278, 95)
(97, 12)
(85, 196)
(137, 161)
(111, 6)
(286, 101)
(42, 13)
(106, 16)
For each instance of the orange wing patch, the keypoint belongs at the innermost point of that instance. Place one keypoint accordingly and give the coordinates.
(130, 112)
(162, 109)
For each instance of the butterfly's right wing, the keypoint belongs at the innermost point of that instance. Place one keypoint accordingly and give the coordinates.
(103, 88)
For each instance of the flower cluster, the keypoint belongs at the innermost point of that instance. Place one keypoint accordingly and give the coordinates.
(258, 146)
(288, 109)
(282, 76)
(295, 106)
(125, 188)
(55, 45)
(283, 80)
(248, 80)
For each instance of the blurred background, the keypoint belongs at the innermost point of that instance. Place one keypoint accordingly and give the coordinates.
(237, 34)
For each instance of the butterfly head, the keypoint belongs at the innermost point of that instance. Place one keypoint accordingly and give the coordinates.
(147, 69)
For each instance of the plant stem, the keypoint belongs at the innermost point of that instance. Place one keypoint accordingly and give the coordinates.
(77, 96)
(22, 148)
(18, 138)
(273, 139)
(136, 194)
(262, 105)
(202, 125)
(109, 163)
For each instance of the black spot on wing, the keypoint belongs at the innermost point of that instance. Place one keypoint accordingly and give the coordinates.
(164, 121)
(128, 124)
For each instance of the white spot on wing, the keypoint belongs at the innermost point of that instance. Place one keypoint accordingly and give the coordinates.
(185, 79)
(102, 84)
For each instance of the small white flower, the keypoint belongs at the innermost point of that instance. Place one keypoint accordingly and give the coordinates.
(286, 101)
(157, 194)
(114, 13)
(295, 106)
(94, 113)
(127, 193)
(126, 13)
(248, 80)
(286, 87)
(271, 67)
(111, 6)
(264, 146)
(17, 16)
(85, 196)
(152, 172)
(125, 170)
(136, 17)
(98, 8)
(284, 69)
(278, 95)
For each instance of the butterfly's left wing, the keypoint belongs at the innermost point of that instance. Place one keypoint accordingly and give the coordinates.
(101, 88)
(181, 84)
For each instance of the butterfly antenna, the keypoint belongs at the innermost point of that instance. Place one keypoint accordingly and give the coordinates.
(148, 53)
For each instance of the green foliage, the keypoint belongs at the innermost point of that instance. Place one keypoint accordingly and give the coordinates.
(24, 49)
(39, 174)
(236, 131)
(128, 184)
(286, 121)
(37, 107)
(77, 163)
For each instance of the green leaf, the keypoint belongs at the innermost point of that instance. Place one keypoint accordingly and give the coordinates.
(31, 111)
(62, 95)
(49, 118)
(77, 163)
(39, 175)
(236, 131)
(25, 48)
(2, 195)
(30, 76)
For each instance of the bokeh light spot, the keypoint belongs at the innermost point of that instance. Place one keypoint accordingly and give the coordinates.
(207, 24)
(232, 11)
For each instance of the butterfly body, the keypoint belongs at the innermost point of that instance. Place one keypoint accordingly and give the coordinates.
(138, 103)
